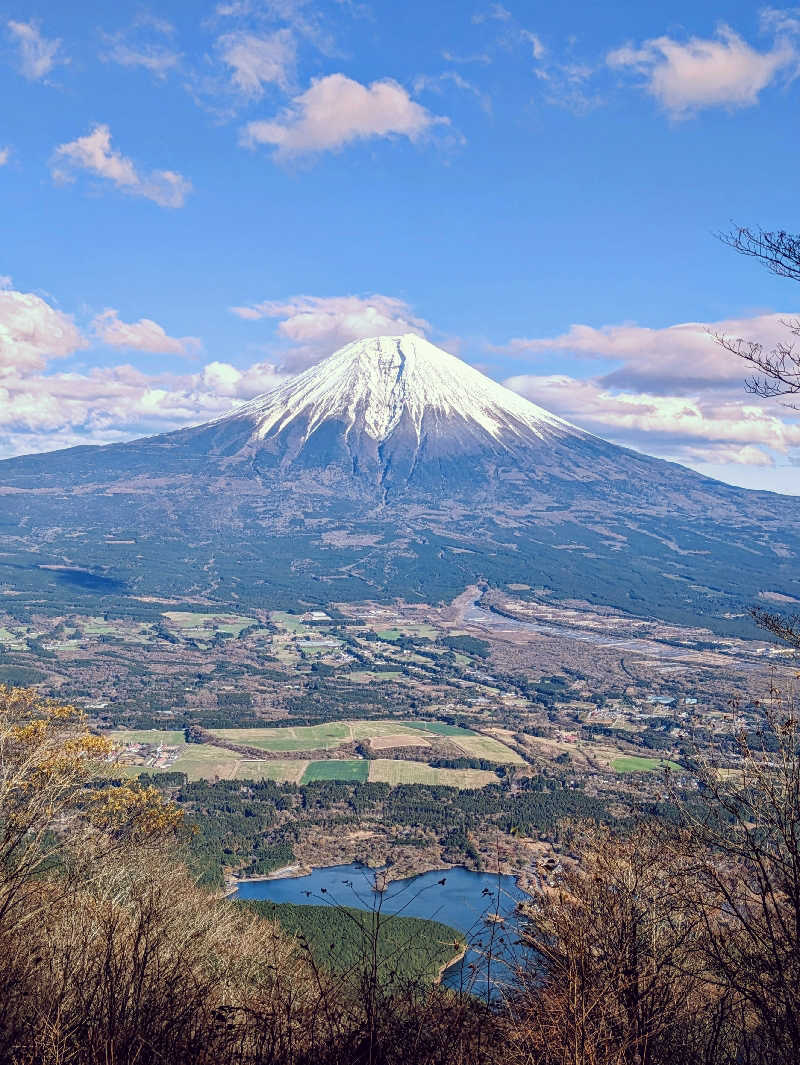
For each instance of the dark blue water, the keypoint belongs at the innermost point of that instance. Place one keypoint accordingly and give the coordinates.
(463, 901)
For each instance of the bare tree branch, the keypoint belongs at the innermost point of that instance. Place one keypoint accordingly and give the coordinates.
(777, 250)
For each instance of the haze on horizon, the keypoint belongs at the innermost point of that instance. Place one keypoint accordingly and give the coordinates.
(201, 202)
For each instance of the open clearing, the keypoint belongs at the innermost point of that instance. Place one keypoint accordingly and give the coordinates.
(348, 770)
(288, 772)
(486, 747)
(202, 762)
(398, 739)
(439, 728)
(326, 737)
(170, 738)
(289, 622)
(386, 771)
(300, 738)
(630, 763)
(205, 625)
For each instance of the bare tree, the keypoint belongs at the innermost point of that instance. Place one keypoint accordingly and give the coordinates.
(777, 371)
(745, 837)
(618, 978)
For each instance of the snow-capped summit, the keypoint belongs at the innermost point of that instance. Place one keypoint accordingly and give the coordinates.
(394, 470)
(373, 389)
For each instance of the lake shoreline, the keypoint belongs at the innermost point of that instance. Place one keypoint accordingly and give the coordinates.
(449, 964)
(457, 897)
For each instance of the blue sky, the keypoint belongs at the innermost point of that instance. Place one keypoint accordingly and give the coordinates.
(200, 198)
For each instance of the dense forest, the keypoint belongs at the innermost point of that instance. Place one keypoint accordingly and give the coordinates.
(252, 825)
(341, 938)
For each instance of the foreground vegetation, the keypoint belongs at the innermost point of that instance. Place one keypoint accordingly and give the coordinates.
(660, 945)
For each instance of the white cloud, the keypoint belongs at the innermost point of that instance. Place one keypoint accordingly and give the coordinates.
(316, 326)
(94, 154)
(37, 54)
(5, 155)
(32, 332)
(41, 409)
(257, 61)
(336, 111)
(672, 391)
(722, 71)
(144, 335)
(42, 412)
(674, 359)
(704, 427)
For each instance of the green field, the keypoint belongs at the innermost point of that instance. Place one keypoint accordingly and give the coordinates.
(202, 762)
(365, 730)
(288, 771)
(326, 737)
(301, 738)
(388, 771)
(351, 770)
(630, 763)
(490, 749)
(290, 622)
(439, 728)
(170, 738)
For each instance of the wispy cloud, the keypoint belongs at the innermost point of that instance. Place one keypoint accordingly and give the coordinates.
(5, 155)
(146, 44)
(37, 53)
(94, 155)
(720, 71)
(439, 82)
(336, 111)
(259, 60)
(144, 335)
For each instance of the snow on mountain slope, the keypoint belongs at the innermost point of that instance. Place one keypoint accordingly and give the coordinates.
(374, 385)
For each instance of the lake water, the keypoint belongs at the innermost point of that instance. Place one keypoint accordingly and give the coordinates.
(463, 901)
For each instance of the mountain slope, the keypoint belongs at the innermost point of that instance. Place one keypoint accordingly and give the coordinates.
(393, 469)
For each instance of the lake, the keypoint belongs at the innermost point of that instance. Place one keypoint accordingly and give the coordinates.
(463, 901)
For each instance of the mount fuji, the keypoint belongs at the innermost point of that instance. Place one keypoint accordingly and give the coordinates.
(392, 469)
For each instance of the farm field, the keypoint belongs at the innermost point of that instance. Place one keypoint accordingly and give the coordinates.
(630, 763)
(170, 738)
(491, 750)
(330, 735)
(284, 772)
(333, 769)
(440, 728)
(300, 738)
(386, 771)
(201, 762)
(287, 621)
